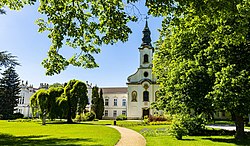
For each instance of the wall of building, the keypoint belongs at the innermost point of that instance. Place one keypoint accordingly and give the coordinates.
(23, 105)
(135, 108)
(112, 110)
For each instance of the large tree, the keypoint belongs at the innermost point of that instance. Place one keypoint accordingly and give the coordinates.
(45, 102)
(9, 92)
(81, 24)
(203, 54)
(210, 37)
(100, 106)
(97, 102)
(40, 104)
(74, 98)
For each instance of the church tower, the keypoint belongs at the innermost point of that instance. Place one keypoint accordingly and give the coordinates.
(142, 85)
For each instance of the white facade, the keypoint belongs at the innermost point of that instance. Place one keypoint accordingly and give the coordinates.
(89, 94)
(23, 105)
(115, 102)
(142, 85)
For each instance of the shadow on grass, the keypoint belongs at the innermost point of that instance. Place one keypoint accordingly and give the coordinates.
(230, 140)
(62, 122)
(188, 139)
(40, 140)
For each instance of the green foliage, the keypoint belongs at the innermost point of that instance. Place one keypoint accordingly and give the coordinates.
(75, 95)
(202, 56)
(79, 118)
(54, 109)
(39, 102)
(97, 102)
(187, 125)
(56, 85)
(100, 106)
(121, 117)
(7, 59)
(178, 128)
(154, 132)
(59, 102)
(17, 116)
(9, 92)
(89, 116)
(82, 25)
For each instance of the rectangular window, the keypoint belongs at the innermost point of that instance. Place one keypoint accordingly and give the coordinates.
(124, 112)
(23, 101)
(123, 102)
(145, 96)
(106, 102)
(115, 102)
(20, 99)
(106, 113)
(114, 113)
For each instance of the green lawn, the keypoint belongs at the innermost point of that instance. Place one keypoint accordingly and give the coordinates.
(158, 135)
(33, 133)
(95, 133)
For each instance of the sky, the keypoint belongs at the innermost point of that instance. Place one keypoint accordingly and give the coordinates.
(19, 35)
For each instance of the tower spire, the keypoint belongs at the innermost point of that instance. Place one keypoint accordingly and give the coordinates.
(146, 40)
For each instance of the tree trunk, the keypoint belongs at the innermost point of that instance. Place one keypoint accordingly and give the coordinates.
(44, 118)
(239, 122)
(69, 120)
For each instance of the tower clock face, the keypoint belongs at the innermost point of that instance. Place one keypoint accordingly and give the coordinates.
(145, 74)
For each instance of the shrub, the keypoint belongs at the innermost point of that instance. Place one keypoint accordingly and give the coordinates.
(15, 116)
(195, 125)
(121, 117)
(160, 123)
(177, 128)
(156, 118)
(79, 118)
(146, 120)
(186, 125)
(89, 116)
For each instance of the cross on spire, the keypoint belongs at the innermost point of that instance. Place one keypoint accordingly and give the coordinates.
(146, 20)
(146, 40)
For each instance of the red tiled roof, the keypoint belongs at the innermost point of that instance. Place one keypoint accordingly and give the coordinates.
(113, 90)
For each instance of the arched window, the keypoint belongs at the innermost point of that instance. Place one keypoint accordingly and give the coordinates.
(134, 96)
(145, 58)
(145, 96)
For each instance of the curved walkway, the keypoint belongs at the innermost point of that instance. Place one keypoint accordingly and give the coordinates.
(226, 127)
(129, 137)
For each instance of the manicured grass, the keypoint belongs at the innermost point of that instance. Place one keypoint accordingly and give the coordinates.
(158, 135)
(33, 133)
(195, 141)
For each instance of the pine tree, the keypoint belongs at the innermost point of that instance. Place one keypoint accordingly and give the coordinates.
(97, 102)
(7, 59)
(9, 91)
(100, 106)
(94, 101)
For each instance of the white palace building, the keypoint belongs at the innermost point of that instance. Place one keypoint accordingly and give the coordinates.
(133, 100)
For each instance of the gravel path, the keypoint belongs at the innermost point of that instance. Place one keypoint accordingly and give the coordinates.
(129, 137)
(230, 128)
